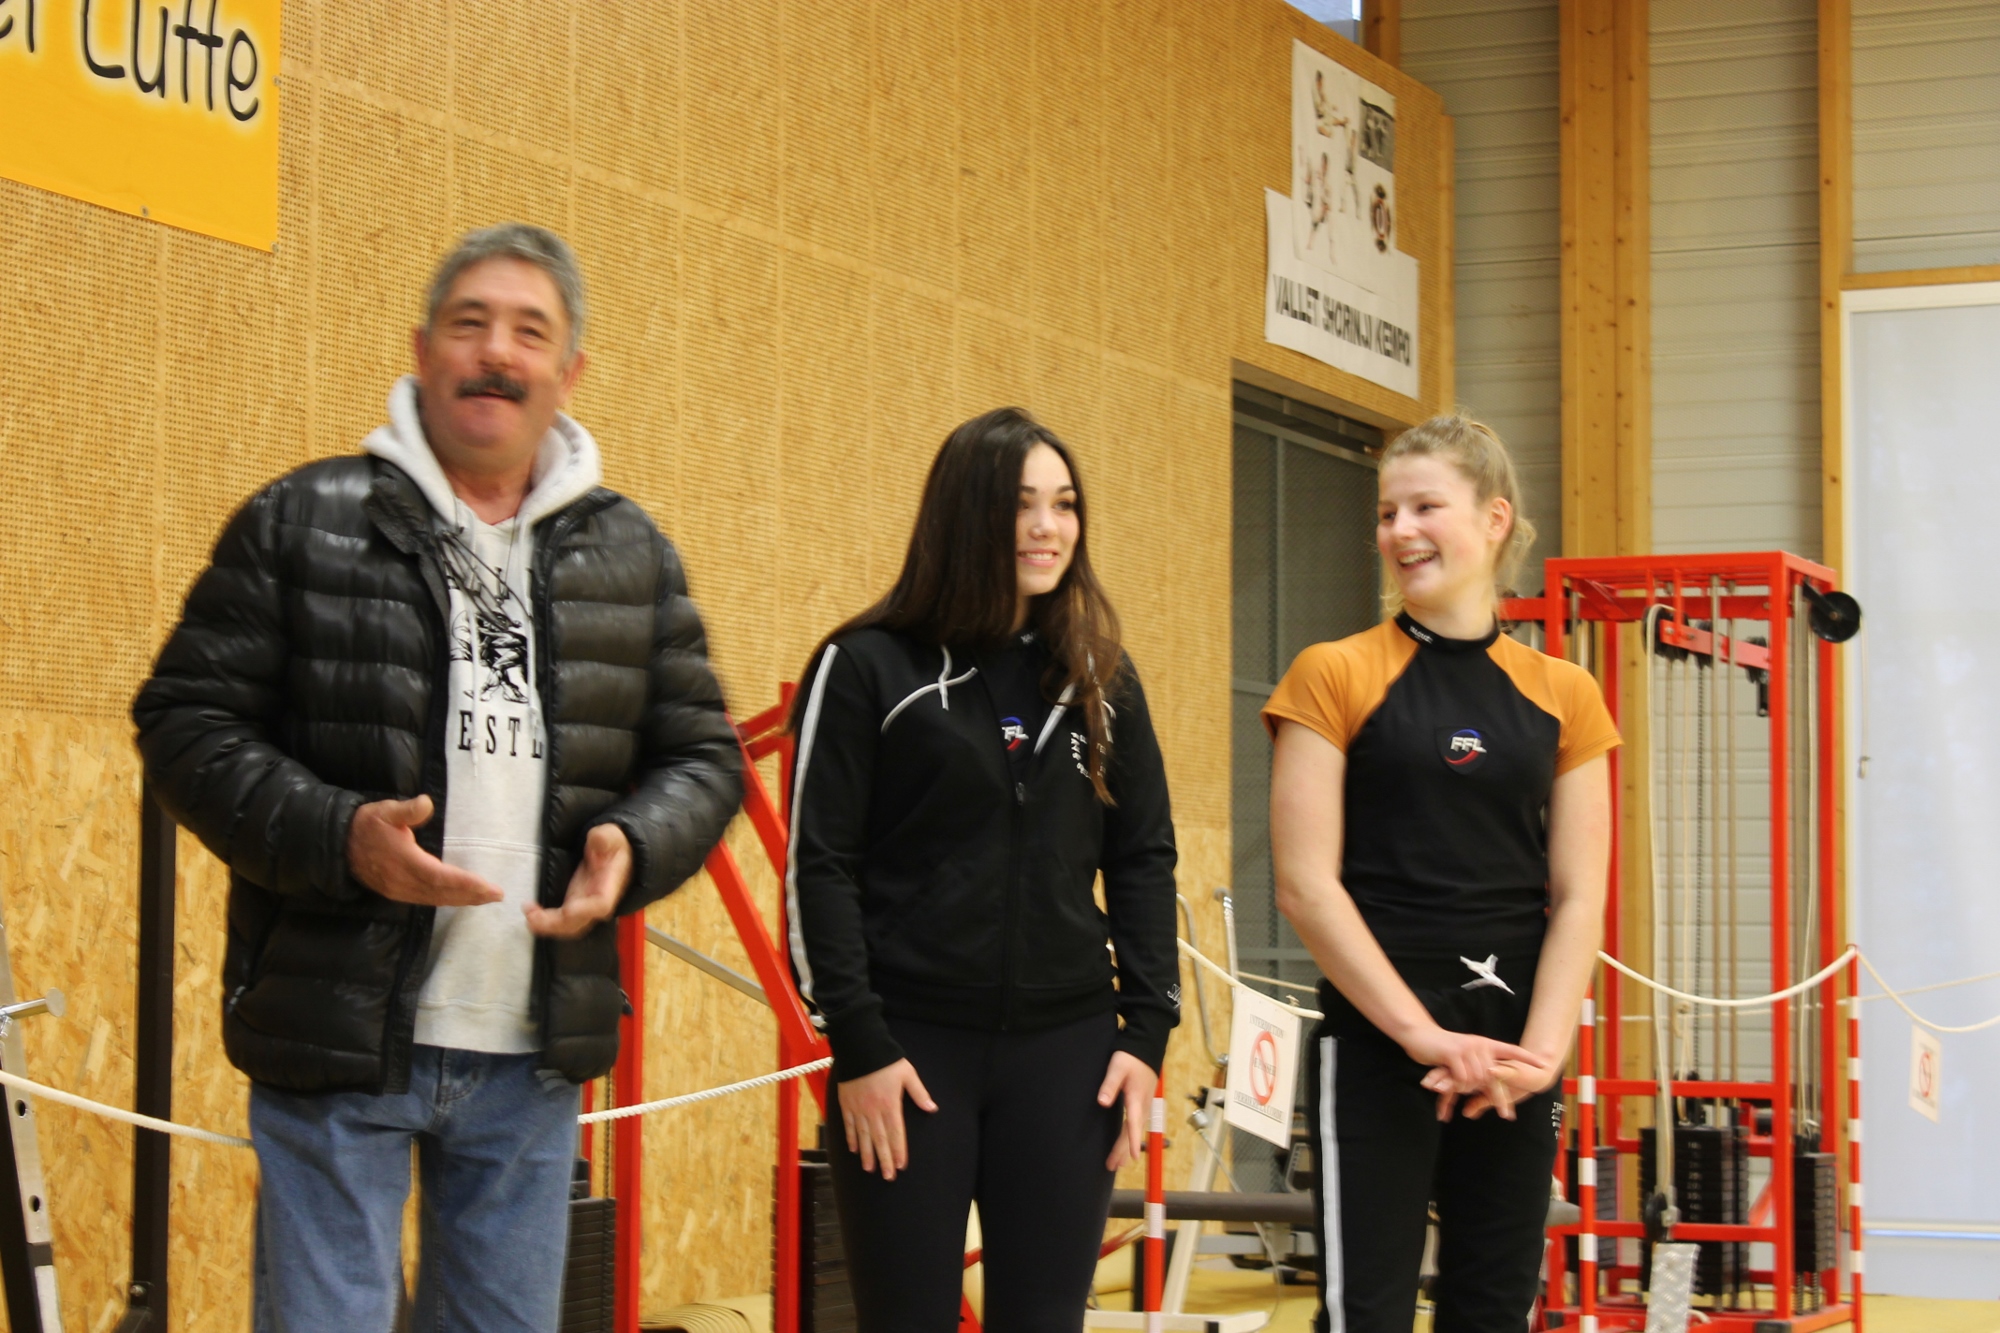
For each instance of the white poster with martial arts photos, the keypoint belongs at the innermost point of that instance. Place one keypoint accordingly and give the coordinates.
(1338, 289)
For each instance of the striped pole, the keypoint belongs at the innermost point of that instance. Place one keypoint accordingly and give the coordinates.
(1856, 1267)
(1156, 1206)
(1586, 1167)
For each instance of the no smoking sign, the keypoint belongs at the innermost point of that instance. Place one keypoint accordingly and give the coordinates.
(1263, 1067)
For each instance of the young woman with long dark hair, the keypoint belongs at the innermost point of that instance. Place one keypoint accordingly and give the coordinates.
(972, 752)
(1439, 832)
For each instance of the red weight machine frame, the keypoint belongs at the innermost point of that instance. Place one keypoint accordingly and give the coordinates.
(799, 1042)
(1612, 591)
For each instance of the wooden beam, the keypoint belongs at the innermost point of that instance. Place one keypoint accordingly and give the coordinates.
(1836, 257)
(1445, 340)
(1607, 400)
(1382, 29)
(1921, 277)
(1606, 278)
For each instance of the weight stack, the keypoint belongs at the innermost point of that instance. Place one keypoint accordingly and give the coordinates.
(590, 1273)
(826, 1301)
(1814, 1212)
(1607, 1203)
(1711, 1184)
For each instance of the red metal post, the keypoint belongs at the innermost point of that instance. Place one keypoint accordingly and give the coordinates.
(630, 1077)
(1782, 1277)
(1614, 1007)
(1156, 1206)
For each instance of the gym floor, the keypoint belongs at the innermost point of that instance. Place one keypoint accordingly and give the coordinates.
(1219, 1291)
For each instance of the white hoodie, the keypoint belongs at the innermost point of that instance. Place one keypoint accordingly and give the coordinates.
(475, 994)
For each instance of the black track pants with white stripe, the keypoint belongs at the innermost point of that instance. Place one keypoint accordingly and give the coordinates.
(1381, 1157)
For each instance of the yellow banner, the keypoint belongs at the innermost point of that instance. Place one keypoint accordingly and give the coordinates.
(165, 111)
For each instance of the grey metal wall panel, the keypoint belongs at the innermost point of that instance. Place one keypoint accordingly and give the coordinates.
(1735, 276)
(1494, 62)
(1926, 133)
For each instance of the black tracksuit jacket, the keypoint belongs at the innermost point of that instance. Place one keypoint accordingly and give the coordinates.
(927, 883)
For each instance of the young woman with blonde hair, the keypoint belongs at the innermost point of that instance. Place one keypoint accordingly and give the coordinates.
(1439, 832)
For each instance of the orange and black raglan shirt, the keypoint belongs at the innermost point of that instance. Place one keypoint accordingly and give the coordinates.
(1453, 747)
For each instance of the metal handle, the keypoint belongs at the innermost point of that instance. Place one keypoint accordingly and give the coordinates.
(51, 1004)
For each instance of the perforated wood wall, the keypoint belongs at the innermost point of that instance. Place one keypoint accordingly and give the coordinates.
(818, 235)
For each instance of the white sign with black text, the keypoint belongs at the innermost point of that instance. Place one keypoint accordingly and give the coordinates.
(1339, 289)
(1263, 1067)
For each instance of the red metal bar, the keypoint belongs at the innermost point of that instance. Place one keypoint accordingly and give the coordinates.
(1156, 1206)
(787, 1231)
(630, 1082)
(1614, 1008)
(796, 1034)
(1780, 586)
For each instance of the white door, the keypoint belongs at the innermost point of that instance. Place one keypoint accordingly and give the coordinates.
(1923, 486)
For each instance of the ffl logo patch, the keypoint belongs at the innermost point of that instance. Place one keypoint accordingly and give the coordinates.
(1463, 749)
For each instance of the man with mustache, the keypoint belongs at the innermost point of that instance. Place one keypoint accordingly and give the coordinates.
(444, 708)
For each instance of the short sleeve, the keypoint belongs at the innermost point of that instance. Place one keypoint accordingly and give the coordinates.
(1587, 728)
(1317, 692)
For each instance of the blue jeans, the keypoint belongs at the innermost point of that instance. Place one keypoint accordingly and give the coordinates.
(495, 1146)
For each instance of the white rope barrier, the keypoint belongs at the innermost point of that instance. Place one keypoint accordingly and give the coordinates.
(1935, 985)
(706, 1094)
(61, 1098)
(45, 1093)
(1916, 1017)
(1202, 960)
(1750, 1002)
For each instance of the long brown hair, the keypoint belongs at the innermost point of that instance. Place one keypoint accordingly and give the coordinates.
(958, 584)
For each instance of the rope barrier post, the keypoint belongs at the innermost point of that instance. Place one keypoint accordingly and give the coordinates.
(1156, 1205)
(630, 1079)
(1586, 1165)
(146, 1296)
(1856, 1266)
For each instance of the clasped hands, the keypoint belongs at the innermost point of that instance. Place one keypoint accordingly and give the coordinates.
(382, 852)
(1488, 1074)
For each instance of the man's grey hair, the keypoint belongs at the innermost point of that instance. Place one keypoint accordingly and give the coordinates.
(515, 240)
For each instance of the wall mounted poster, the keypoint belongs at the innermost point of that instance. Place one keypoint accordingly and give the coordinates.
(1338, 288)
(167, 112)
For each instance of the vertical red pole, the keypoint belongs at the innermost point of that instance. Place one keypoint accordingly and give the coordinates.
(788, 1261)
(631, 1080)
(1779, 586)
(1825, 1006)
(1156, 1206)
(1586, 1165)
(1614, 880)
(1856, 1267)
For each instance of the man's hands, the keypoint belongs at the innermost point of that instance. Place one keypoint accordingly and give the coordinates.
(1133, 1079)
(594, 890)
(871, 1111)
(383, 854)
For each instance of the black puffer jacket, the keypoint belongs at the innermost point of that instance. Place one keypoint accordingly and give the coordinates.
(307, 676)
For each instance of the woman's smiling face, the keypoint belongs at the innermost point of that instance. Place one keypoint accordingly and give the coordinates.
(1437, 539)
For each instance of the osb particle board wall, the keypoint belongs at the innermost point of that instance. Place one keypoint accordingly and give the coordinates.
(817, 236)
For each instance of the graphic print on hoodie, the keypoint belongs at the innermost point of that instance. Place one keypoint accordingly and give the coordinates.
(476, 992)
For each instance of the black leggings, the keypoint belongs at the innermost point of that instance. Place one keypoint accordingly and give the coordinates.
(1018, 1129)
(1381, 1155)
